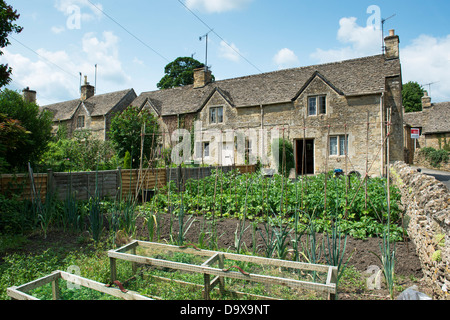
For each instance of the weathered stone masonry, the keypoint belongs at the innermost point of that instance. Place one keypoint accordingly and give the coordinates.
(427, 212)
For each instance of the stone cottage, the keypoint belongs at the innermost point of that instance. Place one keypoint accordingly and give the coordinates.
(433, 123)
(336, 115)
(91, 112)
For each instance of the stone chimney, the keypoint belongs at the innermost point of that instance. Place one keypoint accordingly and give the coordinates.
(426, 101)
(87, 90)
(392, 42)
(29, 95)
(202, 76)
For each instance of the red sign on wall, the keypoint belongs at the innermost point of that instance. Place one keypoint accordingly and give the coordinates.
(415, 133)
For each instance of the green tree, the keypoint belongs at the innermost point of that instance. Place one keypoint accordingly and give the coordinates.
(37, 123)
(412, 96)
(81, 153)
(286, 160)
(125, 133)
(12, 137)
(7, 17)
(179, 72)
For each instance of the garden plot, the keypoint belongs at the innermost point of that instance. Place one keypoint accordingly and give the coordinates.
(235, 274)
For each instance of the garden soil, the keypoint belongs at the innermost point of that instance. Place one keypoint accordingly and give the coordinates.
(360, 252)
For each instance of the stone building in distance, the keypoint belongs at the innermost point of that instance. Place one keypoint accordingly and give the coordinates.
(336, 115)
(433, 123)
(92, 113)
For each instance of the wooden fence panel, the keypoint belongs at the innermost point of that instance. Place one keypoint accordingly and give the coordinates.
(20, 184)
(147, 179)
(108, 183)
(85, 184)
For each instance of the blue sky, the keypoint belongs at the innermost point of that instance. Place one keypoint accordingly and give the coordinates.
(132, 41)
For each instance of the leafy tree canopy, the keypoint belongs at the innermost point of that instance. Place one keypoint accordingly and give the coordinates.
(7, 17)
(38, 127)
(125, 133)
(179, 73)
(412, 96)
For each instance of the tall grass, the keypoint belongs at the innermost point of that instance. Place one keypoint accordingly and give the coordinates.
(95, 212)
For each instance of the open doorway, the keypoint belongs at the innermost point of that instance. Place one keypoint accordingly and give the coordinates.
(304, 156)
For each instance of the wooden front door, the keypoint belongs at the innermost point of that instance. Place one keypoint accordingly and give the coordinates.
(304, 156)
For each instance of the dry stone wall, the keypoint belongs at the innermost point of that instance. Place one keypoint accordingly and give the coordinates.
(427, 213)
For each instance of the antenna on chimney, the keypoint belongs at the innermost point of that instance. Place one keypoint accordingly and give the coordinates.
(95, 88)
(80, 81)
(429, 86)
(383, 21)
(206, 56)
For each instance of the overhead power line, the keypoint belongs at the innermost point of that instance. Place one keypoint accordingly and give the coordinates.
(209, 28)
(44, 58)
(129, 32)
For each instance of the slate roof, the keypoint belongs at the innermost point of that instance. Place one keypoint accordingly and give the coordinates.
(357, 76)
(97, 105)
(432, 120)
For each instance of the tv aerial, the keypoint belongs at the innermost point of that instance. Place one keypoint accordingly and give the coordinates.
(383, 21)
(205, 36)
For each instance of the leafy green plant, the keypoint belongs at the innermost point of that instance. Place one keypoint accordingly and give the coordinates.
(435, 157)
(387, 259)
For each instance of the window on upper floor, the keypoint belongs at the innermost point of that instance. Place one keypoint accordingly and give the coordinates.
(216, 115)
(80, 122)
(338, 145)
(317, 105)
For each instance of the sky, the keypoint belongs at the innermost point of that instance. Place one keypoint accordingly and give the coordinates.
(132, 41)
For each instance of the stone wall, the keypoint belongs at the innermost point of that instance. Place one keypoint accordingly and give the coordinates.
(427, 206)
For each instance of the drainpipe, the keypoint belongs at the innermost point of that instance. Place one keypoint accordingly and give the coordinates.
(262, 116)
(382, 117)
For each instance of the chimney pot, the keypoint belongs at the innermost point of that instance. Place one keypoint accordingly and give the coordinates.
(426, 101)
(87, 90)
(202, 76)
(29, 95)
(392, 43)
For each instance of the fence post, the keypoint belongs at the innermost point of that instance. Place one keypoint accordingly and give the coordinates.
(50, 186)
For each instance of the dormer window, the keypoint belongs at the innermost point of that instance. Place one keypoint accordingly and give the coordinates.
(216, 115)
(317, 105)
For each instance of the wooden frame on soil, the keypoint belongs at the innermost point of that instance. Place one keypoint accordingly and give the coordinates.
(20, 292)
(128, 253)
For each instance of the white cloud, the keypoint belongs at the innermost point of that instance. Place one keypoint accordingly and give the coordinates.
(217, 6)
(359, 41)
(58, 30)
(105, 53)
(427, 60)
(58, 80)
(286, 58)
(229, 52)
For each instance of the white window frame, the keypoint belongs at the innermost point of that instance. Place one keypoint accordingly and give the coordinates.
(318, 110)
(215, 111)
(338, 150)
(206, 149)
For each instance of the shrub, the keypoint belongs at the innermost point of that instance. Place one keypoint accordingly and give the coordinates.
(435, 157)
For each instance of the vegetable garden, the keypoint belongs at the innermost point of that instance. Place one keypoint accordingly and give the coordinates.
(284, 218)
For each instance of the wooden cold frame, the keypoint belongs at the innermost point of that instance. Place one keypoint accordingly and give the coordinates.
(20, 292)
(128, 253)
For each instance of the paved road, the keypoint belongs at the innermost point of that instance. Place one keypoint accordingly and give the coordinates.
(443, 176)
